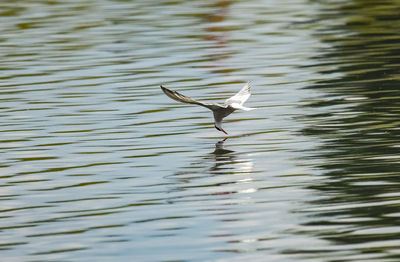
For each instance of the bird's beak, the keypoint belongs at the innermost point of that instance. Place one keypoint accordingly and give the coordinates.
(224, 131)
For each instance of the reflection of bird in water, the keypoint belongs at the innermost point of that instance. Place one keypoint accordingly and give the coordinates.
(222, 156)
(219, 148)
(219, 111)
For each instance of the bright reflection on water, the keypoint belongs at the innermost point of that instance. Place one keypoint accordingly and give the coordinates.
(97, 164)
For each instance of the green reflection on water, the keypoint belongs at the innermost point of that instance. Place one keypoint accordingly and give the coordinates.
(358, 122)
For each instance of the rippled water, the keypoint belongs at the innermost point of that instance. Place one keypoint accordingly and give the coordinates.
(97, 164)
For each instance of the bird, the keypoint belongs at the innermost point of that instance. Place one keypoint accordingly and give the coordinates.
(220, 111)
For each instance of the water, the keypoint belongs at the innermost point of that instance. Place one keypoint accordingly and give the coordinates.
(97, 164)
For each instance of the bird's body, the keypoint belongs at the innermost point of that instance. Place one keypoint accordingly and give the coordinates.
(219, 111)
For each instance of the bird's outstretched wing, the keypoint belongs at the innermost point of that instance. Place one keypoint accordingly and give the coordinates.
(182, 98)
(240, 97)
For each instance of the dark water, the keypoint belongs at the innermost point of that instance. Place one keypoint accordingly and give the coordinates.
(97, 164)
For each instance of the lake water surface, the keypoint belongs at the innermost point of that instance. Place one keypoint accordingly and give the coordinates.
(97, 164)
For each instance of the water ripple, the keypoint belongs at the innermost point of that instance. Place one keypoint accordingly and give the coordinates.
(98, 164)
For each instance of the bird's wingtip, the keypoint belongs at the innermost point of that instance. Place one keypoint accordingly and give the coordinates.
(248, 85)
(164, 89)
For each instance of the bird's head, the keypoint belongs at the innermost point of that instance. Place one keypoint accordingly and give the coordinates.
(220, 129)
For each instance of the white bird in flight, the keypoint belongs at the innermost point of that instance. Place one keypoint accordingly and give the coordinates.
(220, 111)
